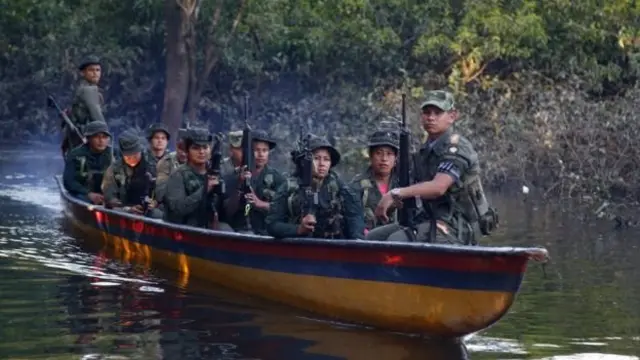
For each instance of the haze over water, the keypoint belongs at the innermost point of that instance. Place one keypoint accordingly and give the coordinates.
(64, 297)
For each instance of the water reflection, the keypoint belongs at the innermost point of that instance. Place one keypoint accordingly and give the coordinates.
(66, 297)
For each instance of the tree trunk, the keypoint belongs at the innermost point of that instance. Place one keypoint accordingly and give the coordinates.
(177, 68)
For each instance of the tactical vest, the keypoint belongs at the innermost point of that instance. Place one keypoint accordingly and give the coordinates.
(465, 203)
(329, 212)
(369, 203)
(86, 174)
(123, 176)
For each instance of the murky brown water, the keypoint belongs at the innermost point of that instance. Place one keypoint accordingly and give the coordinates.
(64, 298)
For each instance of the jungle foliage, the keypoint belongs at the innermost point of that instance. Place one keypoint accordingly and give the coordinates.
(547, 89)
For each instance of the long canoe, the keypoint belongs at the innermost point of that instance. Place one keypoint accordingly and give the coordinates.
(436, 290)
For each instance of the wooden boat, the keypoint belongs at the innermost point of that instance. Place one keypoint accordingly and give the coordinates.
(437, 290)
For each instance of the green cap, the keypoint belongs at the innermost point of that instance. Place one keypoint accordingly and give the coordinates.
(89, 60)
(158, 127)
(384, 138)
(261, 135)
(199, 136)
(130, 142)
(441, 99)
(96, 127)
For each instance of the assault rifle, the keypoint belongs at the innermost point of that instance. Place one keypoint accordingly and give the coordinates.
(51, 102)
(149, 188)
(247, 161)
(304, 168)
(406, 213)
(213, 169)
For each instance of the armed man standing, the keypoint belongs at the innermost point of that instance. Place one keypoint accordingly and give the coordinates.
(87, 101)
(447, 178)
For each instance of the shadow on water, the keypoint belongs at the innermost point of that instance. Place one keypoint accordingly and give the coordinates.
(65, 296)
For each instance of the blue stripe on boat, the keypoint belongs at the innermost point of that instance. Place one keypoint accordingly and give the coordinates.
(450, 279)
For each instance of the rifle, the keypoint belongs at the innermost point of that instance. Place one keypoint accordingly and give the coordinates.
(213, 169)
(407, 211)
(247, 160)
(149, 187)
(304, 165)
(51, 102)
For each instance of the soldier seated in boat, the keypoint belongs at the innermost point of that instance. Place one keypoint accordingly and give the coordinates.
(379, 177)
(85, 165)
(232, 163)
(193, 197)
(129, 183)
(447, 178)
(168, 164)
(315, 201)
(158, 137)
(246, 210)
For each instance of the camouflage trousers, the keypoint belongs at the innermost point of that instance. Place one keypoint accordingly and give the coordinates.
(395, 232)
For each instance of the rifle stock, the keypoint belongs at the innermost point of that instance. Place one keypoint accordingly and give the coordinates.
(51, 102)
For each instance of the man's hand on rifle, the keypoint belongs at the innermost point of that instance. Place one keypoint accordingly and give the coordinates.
(212, 182)
(254, 200)
(383, 206)
(244, 174)
(138, 210)
(96, 198)
(307, 225)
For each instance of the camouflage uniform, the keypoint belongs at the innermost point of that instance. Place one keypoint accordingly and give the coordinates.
(153, 129)
(235, 141)
(264, 186)
(165, 167)
(86, 106)
(83, 168)
(365, 184)
(339, 213)
(186, 201)
(463, 210)
(126, 186)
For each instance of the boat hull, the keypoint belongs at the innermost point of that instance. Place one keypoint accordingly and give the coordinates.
(420, 288)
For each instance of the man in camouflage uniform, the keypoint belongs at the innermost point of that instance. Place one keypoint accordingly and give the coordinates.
(168, 164)
(87, 101)
(158, 137)
(192, 196)
(447, 178)
(85, 165)
(129, 182)
(265, 180)
(337, 214)
(230, 164)
(379, 177)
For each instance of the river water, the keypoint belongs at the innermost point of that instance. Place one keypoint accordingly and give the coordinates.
(61, 297)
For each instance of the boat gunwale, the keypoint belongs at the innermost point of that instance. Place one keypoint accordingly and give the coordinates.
(339, 243)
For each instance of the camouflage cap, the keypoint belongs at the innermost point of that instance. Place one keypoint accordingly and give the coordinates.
(96, 127)
(235, 138)
(384, 138)
(154, 128)
(198, 136)
(89, 60)
(130, 142)
(261, 135)
(441, 99)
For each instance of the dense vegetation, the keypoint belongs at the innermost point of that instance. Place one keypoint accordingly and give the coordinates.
(546, 88)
